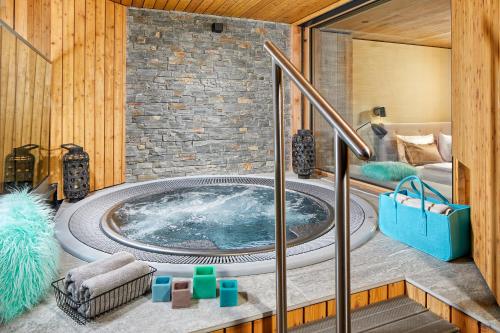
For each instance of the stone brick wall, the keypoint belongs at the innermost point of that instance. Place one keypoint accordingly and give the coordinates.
(199, 102)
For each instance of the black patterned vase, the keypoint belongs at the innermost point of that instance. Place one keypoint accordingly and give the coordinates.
(75, 172)
(303, 153)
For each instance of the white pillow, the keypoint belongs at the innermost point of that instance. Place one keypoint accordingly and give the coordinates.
(415, 139)
(444, 147)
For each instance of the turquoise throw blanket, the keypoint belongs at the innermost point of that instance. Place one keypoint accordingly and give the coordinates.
(387, 171)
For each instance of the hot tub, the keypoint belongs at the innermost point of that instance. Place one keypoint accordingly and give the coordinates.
(227, 221)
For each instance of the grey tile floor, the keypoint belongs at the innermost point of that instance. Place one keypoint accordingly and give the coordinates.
(380, 261)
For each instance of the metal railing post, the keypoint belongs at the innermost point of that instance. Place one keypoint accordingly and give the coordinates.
(279, 200)
(345, 138)
(342, 245)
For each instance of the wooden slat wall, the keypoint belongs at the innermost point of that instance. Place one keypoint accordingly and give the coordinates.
(25, 102)
(7, 95)
(86, 42)
(30, 19)
(88, 82)
(476, 126)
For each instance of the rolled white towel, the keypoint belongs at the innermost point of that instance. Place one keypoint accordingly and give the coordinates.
(399, 197)
(429, 206)
(103, 283)
(441, 209)
(75, 277)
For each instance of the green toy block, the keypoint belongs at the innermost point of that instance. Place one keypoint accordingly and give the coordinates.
(204, 282)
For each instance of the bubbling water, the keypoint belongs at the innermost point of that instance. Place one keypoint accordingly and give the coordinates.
(224, 216)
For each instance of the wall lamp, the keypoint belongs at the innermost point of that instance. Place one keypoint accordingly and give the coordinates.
(378, 130)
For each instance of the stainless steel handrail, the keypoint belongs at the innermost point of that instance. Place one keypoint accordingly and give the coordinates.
(344, 130)
(345, 137)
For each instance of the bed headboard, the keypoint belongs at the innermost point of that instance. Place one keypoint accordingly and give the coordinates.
(387, 147)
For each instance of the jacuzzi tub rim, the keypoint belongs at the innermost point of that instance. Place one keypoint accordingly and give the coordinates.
(87, 252)
(109, 226)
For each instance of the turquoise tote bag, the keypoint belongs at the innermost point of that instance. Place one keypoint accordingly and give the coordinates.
(446, 237)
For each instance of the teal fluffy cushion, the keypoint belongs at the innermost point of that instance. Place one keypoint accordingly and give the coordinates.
(29, 253)
(386, 171)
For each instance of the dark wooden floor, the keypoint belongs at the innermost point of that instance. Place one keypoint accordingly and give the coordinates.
(397, 315)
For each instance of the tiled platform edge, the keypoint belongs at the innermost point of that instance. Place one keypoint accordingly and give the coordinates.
(360, 299)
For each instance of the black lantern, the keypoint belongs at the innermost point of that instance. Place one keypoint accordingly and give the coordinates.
(303, 158)
(20, 167)
(75, 172)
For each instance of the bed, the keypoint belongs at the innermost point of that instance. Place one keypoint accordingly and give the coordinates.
(438, 175)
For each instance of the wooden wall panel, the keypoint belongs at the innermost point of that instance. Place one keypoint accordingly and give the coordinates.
(485, 329)
(43, 167)
(295, 318)
(242, 328)
(476, 126)
(287, 11)
(99, 94)
(395, 289)
(7, 9)
(465, 323)
(360, 299)
(315, 312)
(68, 47)
(7, 94)
(30, 19)
(88, 108)
(119, 96)
(24, 102)
(89, 83)
(10, 100)
(331, 307)
(56, 113)
(440, 308)
(416, 294)
(109, 51)
(79, 75)
(378, 294)
(22, 51)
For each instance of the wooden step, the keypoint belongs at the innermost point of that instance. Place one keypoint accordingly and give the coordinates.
(397, 315)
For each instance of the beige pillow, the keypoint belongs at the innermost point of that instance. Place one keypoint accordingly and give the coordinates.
(419, 154)
(415, 139)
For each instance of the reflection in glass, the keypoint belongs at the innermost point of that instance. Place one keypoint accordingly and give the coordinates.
(25, 77)
(392, 83)
(20, 168)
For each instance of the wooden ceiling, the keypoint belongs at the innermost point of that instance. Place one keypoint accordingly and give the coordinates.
(422, 22)
(286, 11)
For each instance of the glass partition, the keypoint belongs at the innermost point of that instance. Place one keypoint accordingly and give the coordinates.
(24, 113)
(392, 83)
(332, 76)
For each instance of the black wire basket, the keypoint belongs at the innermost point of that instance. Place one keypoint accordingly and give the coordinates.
(82, 312)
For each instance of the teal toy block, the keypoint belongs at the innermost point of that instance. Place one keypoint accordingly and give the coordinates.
(204, 282)
(162, 288)
(228, 292)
